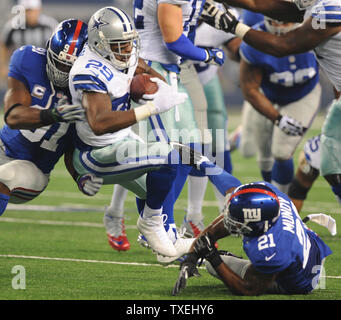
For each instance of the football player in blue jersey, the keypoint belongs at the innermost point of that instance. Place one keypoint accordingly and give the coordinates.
(282, 97)
(284, 256)
(321, 31)
(37, 129)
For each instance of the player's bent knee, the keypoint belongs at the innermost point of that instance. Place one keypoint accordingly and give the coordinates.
(24, 179)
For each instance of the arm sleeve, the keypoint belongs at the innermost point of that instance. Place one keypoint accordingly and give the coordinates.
(185, 48)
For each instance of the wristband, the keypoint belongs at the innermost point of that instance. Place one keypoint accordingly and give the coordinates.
(241, 30)
(10, 109)
(144, 111)
(48, 117)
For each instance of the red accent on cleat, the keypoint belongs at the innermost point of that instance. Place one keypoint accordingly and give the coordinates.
(120, 244)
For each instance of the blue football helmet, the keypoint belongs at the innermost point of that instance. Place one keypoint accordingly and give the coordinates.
(63, 48)
(251, 210)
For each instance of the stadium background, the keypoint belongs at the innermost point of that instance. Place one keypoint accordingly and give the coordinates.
(66, 255)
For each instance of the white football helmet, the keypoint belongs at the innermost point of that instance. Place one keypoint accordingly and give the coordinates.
(112, 35)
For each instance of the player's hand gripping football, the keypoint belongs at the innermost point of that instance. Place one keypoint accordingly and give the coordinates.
(188, 268)
(165, 98)
(65, 112)
(89, 184)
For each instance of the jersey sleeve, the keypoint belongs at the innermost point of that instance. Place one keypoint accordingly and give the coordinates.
(88, 82)
(16, 68)
(250, 55)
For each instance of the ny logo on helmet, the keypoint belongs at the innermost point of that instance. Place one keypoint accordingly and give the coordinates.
(252, 214)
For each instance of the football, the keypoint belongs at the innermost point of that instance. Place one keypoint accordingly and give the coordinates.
(141, 85)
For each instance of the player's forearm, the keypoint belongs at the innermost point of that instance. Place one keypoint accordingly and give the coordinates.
(276, 9)
(234, 282)
(273, 45)
(22, 117)
(112, 121)
(262, 104)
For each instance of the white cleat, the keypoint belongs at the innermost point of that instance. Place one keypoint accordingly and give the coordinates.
(182, 246)
(153, 230)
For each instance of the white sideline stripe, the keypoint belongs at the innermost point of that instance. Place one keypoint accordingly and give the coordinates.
(88, 261)
(106, 262)
(61, 223)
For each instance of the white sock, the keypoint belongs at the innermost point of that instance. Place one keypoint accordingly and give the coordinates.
(220, 198)
(149, 212)
(116, 207)
(196, 194)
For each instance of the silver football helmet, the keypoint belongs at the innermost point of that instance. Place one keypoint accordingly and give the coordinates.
(304, 4)
(112, 35)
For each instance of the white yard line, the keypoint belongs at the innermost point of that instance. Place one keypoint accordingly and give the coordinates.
(105, 262)
(60, 223)
(87, 261)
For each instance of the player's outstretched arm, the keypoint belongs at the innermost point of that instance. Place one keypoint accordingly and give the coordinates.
(276, 9)
(20, 114)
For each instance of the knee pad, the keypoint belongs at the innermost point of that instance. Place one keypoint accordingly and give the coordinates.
(24, 179)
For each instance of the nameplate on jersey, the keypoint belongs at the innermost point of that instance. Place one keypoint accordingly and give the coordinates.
(38, 91)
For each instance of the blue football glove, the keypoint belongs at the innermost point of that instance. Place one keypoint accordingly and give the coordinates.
(215, 56)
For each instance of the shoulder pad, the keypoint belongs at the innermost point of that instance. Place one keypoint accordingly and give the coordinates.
(178, 2)
(328, 11)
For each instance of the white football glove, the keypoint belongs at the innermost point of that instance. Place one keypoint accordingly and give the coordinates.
(89, 184)
(65, 112)
(290, 126)
(165, 98)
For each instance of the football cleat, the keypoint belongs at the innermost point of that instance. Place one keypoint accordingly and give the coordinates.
(116, 234)
(193, 228)
(154, 232)
(120, 244)
(182, 246)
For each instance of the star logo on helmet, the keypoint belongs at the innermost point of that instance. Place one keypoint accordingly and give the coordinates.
(98, 23)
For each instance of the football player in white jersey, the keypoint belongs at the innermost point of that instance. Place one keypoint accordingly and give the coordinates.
(167, 30)
(217, 118)
(321, 31)
(105, 144)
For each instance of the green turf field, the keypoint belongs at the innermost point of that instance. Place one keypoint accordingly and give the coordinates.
(60, 242)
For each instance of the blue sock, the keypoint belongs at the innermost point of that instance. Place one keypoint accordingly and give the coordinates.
(227, 163)
(159, 184)
(168, 204)
(337, 190)
(140, 204)
(3, 202)
(266, 176)
(219, 177)
(283, 171)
